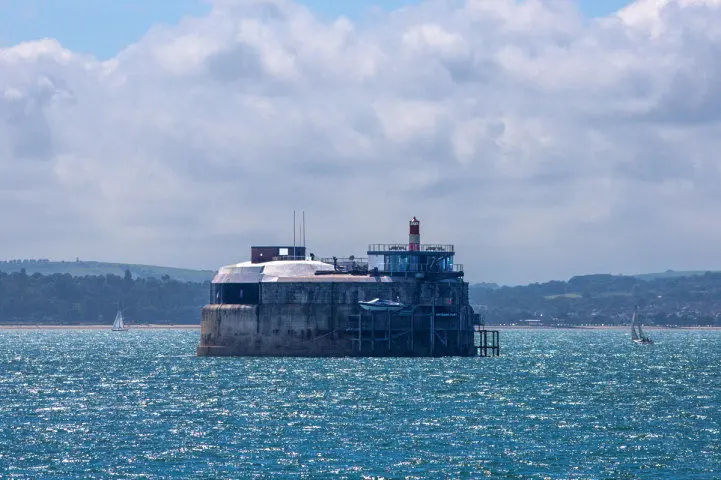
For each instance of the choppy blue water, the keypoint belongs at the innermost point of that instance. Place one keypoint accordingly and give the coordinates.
(557, 404)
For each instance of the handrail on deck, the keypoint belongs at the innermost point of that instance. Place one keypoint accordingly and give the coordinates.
(421, 268)
(288, 257)
(404, 247)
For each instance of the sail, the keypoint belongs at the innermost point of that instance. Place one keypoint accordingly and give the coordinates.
(637, 333)
(118, 324)
(634, 335)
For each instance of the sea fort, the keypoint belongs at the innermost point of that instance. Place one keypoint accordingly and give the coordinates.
(402, 299)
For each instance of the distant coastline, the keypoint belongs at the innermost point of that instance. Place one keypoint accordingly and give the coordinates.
(197, 327)
(82, 268)
(79, 293)
(98, 327)
(598, 327)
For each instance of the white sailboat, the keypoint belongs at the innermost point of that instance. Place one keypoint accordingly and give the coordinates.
(637, 333)
(119, 323)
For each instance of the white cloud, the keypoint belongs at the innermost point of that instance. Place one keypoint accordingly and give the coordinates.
(542, 143)
(434, 39)
(652, 16)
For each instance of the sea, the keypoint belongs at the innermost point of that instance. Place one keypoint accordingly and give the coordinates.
(557, 404)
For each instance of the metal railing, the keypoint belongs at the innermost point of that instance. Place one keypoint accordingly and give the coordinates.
(348, 265)
(388, 247)
(344, 260)
(403, 247)
(420, 268)
(360, 265)
(288, 257)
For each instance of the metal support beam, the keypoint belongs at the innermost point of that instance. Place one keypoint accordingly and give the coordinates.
(413, 318)
(433, 321)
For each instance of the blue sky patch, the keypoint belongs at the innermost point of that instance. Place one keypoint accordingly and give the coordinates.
(104, 27)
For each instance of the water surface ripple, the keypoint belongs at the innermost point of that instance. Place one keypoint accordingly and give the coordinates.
(562, 404)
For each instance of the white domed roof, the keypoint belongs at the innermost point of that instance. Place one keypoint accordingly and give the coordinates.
(247, 272)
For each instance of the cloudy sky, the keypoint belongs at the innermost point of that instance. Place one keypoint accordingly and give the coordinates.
(543, 138)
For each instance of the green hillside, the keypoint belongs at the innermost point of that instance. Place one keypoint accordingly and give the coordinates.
(670, 274)
(83, 268)
(63, 299)
(671, 299)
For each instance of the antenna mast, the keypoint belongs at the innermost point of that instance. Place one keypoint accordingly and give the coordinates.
(294, 233)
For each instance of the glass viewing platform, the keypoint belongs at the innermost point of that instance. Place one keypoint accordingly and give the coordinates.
(401, 259)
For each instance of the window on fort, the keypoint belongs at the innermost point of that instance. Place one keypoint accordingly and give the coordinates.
(398, 263)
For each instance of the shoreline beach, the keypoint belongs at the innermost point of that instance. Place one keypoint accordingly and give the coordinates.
(98, 327)
(197, 327)
(595, 327)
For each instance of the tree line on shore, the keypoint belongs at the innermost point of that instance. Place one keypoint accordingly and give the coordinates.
(583, 300)
(693, 300)
(94, 299)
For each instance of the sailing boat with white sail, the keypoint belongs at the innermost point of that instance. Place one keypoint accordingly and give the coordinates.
(119, 323)
(637, 333)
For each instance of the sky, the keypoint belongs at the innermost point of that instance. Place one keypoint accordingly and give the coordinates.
(105, 27)
(545, 139)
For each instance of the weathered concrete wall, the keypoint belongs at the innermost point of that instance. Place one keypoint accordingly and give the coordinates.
(314, 319)
(269, 330)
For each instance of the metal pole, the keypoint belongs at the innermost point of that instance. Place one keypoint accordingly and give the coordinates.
(294, 233)
(389, 330)
(458, 314)
(433, 320)
(413, 317)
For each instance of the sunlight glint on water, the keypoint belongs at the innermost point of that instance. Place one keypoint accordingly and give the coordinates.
(556, 404)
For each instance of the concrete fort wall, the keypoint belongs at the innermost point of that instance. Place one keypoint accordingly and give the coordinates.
(313, 319)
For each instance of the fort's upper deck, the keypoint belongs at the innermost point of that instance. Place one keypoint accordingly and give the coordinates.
(433, 261)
